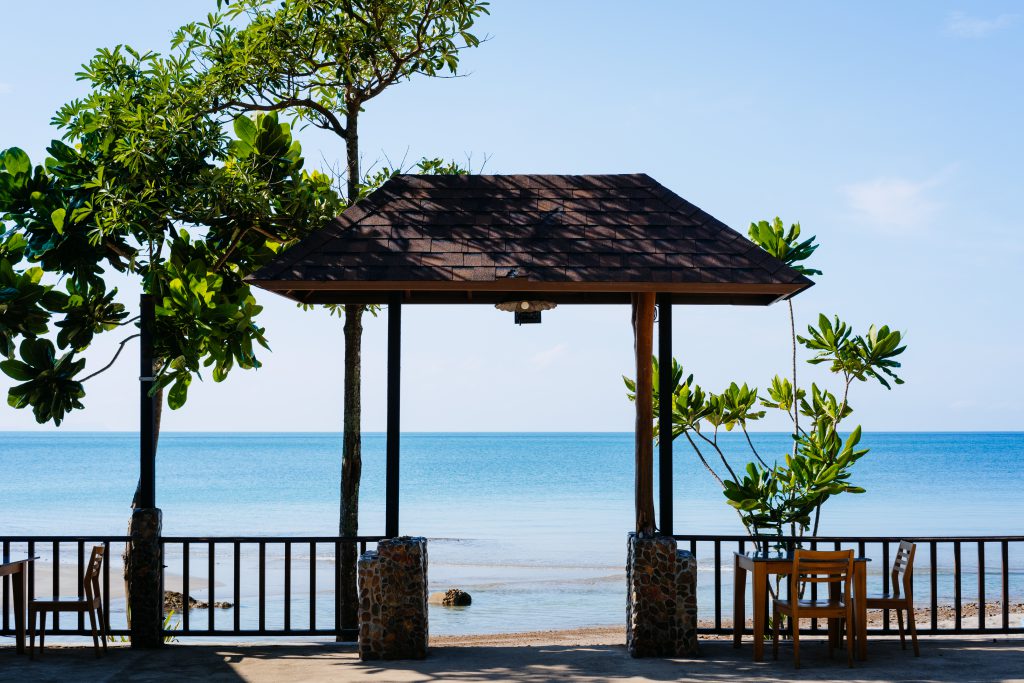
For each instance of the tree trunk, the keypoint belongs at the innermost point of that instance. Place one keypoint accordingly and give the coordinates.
(347, 601)
(127, 553)
(796, 407)
(643, 331)
(352, 152)
(351, 465)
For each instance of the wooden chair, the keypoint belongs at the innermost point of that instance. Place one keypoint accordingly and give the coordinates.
(91, 604)
(834, 568)
(902, 573)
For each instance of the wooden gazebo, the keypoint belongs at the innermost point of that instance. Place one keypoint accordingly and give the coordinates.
(563, 239)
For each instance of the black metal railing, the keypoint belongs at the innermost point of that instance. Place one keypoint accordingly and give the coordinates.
(946, 565)
(266, 586)
(287, 585)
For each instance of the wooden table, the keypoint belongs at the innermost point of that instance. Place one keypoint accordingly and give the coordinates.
(16, 566)
(760, 565)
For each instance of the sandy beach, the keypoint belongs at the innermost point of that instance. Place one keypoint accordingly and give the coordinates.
(616, 634)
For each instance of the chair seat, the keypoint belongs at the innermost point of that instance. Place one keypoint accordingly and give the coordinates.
(69, 603)
(882, 600)
(812, 605)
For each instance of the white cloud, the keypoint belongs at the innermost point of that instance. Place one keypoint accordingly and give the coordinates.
(964, 25)
(6, 88)
(889, 202)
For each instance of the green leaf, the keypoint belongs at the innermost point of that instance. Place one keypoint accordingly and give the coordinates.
(16, 161)
(58, 220)
(246, 130)
(178, 393)
(17, 370)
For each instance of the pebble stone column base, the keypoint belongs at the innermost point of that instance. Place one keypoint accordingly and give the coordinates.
(661, 608)
(393, 600)
(145, 579)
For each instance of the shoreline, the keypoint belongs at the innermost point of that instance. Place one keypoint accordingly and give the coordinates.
(615, 634)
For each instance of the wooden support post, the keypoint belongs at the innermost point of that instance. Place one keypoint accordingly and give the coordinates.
(393, 422)
(665, 413)
(643, 334)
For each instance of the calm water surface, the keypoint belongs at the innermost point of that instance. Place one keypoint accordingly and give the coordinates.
(532, 524)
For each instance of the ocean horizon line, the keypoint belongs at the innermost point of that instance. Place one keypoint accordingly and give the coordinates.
(472, 433)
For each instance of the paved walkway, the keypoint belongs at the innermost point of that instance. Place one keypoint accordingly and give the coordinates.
(942, 659)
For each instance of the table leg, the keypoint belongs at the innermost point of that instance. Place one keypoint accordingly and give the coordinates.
(860, 606)
(739, 596)
(760, 595)
(18, 578)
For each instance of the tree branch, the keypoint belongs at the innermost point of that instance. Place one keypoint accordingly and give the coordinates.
(721, 455)
(751, 444)
(106, 367)
(333, 123)
(703, 460)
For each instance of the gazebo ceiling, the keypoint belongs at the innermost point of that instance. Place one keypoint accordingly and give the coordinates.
(560, 238)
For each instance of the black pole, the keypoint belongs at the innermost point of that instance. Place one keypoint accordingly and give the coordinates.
(394, 404)
(147, 406)
(665, 417)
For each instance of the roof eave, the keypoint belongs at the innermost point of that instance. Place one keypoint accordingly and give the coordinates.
(379, 292)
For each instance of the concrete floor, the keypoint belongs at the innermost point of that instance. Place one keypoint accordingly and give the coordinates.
(964, 659)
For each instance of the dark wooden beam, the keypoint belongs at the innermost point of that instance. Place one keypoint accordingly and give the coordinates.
(643, 334)
(445, 297)
(393, 415)
(665, 413)
(147, 406)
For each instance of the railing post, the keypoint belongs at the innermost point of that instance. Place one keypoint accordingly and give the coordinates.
(1006, 584)
(957, 587)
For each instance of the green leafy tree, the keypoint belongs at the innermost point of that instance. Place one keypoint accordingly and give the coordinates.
(141, 163)
(322, 61)
(785, 245)
(787, 493)
(147, 181)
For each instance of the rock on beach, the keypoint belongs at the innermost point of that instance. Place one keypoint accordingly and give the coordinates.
(453, 597)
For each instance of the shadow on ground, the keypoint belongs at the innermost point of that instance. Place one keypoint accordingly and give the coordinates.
(962, 659)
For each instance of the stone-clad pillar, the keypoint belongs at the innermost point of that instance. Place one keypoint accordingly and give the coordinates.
(145, 579)
(661, 610)
(393, 600)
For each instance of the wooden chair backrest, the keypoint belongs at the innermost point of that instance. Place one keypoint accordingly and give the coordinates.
(903, 565)
(91, 580)
(822, 566)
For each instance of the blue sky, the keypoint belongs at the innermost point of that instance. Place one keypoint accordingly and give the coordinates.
(892, 131)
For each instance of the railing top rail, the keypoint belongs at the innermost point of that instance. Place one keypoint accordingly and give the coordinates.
(41, 538)
(271, 539)
(830, 539)
(22, 538)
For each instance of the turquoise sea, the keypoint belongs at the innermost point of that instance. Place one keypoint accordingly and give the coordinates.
(533, 525)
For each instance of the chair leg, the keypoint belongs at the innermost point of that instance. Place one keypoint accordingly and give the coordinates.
(832, 635)
(104, 626)
(95, 637)
(775, 632)
(795, 624)
(913, 628)
(899, 622)
(31, 634)
(42, 630)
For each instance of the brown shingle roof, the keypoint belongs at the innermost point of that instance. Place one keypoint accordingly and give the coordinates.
(563, 238)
